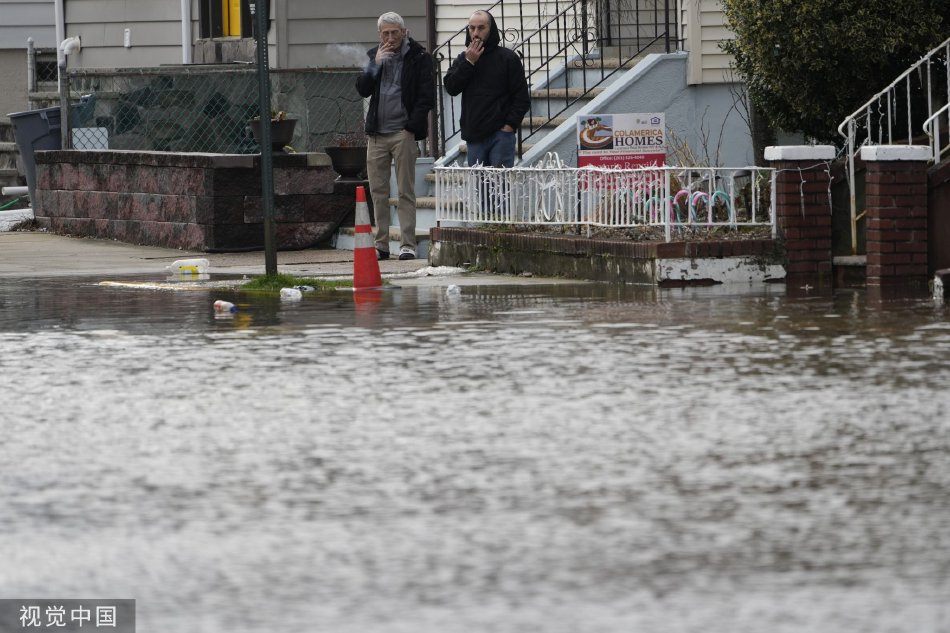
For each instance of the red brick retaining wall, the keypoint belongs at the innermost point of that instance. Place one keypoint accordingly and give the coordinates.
(803, 213)
(187, 200)
(896, 223)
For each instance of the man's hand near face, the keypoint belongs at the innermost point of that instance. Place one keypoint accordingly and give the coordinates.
(474, 50)
(383, 53)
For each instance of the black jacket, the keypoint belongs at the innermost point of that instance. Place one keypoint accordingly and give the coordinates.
(494, 89)
(418, 89)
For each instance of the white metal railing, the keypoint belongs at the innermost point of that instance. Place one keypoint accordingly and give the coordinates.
(932, 128)
(553, 193)
(888, 117)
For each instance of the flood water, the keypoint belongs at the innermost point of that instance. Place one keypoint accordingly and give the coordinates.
(553, 459)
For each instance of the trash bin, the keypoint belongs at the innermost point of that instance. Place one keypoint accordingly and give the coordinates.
(35, 130)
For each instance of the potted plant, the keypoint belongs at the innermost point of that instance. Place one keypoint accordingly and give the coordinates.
(281, 129)
(348, 155)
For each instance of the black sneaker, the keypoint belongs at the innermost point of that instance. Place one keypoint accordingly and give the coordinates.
(381, 254)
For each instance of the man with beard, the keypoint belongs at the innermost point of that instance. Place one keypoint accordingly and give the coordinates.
(494, 91)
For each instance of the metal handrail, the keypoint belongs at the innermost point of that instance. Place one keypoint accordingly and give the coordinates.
(932, 128)
(572, 32)
(587, 32)
(879, 108)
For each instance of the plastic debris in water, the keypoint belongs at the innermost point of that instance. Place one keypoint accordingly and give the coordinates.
(198, 266)
(453, 291)
(290, 294)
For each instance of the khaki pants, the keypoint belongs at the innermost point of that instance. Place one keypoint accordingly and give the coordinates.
(381, 151)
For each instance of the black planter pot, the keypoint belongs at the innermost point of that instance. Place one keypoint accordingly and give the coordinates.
(349, 162)
(281, 132)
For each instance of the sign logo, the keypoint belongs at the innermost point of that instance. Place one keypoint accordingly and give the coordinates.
(596, 132)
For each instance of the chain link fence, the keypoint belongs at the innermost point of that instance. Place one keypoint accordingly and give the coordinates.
(207, 109)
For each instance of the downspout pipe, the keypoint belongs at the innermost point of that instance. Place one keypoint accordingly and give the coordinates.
(186, 31)
(59, 11)
(432, 44)
(59, 16)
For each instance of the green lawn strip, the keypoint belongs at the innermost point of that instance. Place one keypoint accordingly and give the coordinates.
(271, 284)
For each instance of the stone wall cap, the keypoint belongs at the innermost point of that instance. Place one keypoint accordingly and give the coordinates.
(799, 152)
(895, 152)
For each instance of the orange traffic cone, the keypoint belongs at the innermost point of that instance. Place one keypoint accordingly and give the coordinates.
(365, 264)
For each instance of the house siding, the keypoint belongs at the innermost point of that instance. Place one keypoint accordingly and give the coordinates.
(20, 19)
(303, 34)
(155, 30)
(312, 35)
(452, 17)
(704, 26)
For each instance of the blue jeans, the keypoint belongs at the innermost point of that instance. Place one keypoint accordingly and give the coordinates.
(498, 150)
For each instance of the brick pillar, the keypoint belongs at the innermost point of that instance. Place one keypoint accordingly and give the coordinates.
(803, 210)
(896, 201)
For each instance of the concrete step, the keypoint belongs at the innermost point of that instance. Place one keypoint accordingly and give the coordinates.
(535, 120)
(592, 72)
(565, 93)
(11, 217)
(425, 214)
(8, 155)
(51, 97)
(463, 147)
(10, 177)
(606, 62)
(422, 202)
(562, 102)
(345, 239)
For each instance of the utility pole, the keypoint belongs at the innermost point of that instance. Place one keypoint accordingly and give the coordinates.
(261, 11)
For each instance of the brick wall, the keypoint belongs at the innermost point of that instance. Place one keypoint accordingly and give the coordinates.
(803, 209)
(896, 216)
(189, 201)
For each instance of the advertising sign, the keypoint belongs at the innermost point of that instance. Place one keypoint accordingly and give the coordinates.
(623, 141)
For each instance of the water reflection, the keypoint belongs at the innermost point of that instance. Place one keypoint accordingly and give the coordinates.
(541, 458)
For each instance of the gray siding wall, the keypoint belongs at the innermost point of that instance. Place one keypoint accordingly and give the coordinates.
(155, 29)
(337, 34)
(20, 19)
(13, 80)
(304, 33)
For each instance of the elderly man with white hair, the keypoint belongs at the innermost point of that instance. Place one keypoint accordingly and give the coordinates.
(398, 79)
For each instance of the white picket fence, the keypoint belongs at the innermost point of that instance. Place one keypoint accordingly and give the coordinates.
(552, 193)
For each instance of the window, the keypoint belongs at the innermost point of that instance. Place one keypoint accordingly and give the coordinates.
(225, 18)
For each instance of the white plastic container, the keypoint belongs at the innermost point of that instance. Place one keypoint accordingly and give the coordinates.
(290, 294)
(224, 306)
(195, 266)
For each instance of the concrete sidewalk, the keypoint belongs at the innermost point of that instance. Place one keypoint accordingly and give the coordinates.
(38, 254)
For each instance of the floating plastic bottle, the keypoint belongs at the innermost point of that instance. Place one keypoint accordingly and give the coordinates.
(196, 266)
(224, 306)
(290, 294)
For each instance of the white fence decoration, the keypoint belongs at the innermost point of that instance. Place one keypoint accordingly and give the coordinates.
(552, 193)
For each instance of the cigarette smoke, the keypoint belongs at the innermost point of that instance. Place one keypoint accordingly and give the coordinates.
(345, 56)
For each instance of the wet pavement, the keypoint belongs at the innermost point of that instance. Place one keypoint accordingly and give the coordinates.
(517, 455)
(44, 254)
